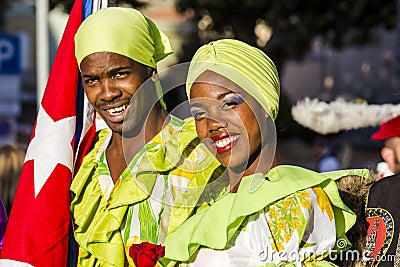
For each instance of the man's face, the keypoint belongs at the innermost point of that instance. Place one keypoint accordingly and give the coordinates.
(395, 145)
(110, 80)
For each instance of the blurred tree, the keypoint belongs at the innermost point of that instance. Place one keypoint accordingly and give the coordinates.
(4, 4)
(285, 29)
(66, 5)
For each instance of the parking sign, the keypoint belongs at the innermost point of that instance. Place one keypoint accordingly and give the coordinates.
(10, 54)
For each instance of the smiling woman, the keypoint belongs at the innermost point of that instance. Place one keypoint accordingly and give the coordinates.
(228, 120)
(270, 215)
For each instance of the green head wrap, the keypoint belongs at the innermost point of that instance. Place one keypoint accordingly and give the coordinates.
(245, 65)
(124, 31)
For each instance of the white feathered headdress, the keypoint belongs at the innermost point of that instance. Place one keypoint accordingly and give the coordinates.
(340, 115)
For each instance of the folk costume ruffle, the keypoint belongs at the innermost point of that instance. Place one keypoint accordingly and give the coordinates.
(229, 215)
(99, 220)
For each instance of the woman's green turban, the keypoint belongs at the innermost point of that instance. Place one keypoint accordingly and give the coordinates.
(124, 31)
(245, 65)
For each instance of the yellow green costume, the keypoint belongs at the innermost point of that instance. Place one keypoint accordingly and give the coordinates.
(294, 211)
(109, 218)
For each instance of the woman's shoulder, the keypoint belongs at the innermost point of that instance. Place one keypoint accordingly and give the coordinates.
(294, 172)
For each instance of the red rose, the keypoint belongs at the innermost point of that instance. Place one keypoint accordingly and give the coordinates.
(146, 254)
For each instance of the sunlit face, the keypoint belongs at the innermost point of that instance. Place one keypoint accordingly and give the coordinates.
(226, 120)
(110, 80)
(391, 153)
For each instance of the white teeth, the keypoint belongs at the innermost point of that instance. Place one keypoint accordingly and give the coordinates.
(116, 111)
(225, 141)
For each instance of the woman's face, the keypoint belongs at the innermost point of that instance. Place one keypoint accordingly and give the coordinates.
(226, 120)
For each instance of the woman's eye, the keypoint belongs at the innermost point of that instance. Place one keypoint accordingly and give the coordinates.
(231, 102)
(198, 114)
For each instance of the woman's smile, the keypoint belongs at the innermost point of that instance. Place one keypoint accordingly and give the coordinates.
(224, 143)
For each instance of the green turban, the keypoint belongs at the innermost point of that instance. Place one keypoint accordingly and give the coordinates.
(124, 31)
(245, 65)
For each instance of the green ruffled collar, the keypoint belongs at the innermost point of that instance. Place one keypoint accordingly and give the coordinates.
(255, 192)
(98, 224)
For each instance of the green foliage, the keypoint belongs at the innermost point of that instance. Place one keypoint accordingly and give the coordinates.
(295, 23)
(4, 4)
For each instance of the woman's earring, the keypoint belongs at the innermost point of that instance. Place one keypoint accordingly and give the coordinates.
(154, 76)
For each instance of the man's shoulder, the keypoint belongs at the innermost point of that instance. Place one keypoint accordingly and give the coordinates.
(390, 182)
(382, 217)
(385, 190)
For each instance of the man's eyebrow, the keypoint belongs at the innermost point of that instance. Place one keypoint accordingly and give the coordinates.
(109, 72)
(89, 75)
(113, 71)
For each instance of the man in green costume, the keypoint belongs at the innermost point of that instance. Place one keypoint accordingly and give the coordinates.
(122, 190)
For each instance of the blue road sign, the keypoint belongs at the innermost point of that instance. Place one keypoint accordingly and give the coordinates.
(10, 54)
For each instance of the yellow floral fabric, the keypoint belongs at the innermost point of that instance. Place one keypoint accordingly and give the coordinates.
(294, 218)
(283, 232)
(109, 218)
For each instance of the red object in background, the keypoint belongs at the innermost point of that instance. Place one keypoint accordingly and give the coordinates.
(388, 129)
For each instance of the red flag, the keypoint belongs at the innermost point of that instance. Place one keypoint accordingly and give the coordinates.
(37, 231)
